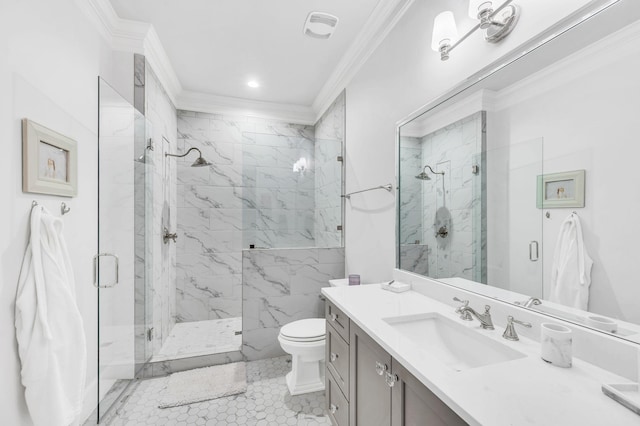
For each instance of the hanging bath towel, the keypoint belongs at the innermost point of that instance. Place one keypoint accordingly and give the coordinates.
(49, 330)
(571, 270)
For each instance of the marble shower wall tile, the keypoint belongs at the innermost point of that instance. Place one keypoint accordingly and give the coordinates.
(157, 207)
(329, 138)
(411, 191)
(250, 195)
(280, 286)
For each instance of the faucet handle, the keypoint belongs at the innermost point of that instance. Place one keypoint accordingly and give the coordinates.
(464, 314)
(510, 332)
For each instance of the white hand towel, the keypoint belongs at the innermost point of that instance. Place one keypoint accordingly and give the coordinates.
(49, 329)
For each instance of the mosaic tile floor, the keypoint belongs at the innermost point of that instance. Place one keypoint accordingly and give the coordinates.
(188, 339)
(267, 402)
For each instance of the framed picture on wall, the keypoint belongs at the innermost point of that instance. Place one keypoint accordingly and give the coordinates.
(49, 161)
(561, 190)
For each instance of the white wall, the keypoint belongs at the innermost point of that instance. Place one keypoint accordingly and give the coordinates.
(50, 58)
(402, 75)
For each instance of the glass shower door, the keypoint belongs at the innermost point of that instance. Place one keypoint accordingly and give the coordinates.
(120, 267)
(513, 238)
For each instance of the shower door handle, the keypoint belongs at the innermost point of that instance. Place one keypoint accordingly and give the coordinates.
(96, 260)
(533, 251)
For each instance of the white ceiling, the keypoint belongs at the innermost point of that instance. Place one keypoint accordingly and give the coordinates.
(216, 46)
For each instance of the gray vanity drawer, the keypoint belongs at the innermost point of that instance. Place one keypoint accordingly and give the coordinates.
(337, 405)
(337, 359)
(338, 320)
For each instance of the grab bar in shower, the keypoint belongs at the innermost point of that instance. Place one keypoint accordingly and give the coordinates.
(388, 187)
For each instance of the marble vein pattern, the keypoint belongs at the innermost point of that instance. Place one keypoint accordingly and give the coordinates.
(250, 195)
(266, 402)
(280, 286)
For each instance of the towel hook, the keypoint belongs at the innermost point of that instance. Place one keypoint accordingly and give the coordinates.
(64, 209)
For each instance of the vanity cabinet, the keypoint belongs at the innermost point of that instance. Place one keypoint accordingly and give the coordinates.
(337, 365)
(412, 404)
(370, 395)
(379, 391)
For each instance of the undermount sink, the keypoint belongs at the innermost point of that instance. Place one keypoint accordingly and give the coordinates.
(457, 346)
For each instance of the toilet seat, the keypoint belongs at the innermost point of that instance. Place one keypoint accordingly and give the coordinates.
(306, 330)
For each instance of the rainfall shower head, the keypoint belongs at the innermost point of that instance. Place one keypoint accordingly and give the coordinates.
(200, 161)
(424, 176)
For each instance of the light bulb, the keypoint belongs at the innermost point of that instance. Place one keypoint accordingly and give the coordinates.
(253, 84)
(444, 30)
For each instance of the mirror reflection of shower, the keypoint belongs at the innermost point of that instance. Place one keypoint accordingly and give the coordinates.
(425, 176)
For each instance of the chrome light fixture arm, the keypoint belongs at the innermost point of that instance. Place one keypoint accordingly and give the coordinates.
(496, 29)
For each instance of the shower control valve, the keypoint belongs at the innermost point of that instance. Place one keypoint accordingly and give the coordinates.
(167, 236)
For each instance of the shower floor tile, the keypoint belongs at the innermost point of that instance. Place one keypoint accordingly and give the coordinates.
(188, 339)
(267, 402)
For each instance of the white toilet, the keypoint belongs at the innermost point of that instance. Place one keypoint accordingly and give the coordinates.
(304, 340)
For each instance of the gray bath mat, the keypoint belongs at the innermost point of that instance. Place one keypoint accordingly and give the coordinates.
(203, 384)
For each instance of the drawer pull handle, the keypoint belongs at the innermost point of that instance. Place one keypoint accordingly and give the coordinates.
(333, 357)
(333, 408)
(391, 379)
(334, 317)
(380, 368)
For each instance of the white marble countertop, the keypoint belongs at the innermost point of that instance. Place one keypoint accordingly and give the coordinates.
(525, 391)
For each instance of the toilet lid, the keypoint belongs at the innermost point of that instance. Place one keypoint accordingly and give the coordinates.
(306, 329)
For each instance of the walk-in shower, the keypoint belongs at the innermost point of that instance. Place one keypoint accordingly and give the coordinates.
(216, 254)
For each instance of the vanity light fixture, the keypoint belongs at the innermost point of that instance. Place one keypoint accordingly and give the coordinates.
(497, 24)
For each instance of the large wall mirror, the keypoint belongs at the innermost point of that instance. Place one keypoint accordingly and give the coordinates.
(520, 184)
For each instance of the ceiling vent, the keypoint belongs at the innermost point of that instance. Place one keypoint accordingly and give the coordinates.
(320, 25)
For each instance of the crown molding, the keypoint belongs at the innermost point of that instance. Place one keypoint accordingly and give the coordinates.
(226, 105)
(138, 37)
(384, 17)
(135, 37)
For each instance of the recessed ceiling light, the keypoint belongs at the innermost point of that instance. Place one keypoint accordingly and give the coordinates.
(253, 84)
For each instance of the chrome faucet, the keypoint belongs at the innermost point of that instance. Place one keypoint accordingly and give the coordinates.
(485, 319)
(531, 302)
